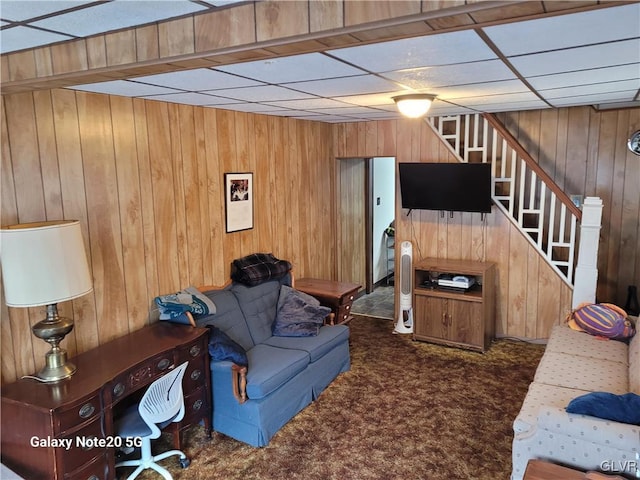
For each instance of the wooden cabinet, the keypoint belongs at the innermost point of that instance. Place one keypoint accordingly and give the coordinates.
(464, 319)
(83, 407)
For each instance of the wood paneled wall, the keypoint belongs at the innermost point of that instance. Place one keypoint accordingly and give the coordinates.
(145, 179)
(576, 146)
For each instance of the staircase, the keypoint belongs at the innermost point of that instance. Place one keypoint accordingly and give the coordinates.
(520, 188)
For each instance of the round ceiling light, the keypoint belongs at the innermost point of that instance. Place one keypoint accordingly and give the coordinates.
(414, 105)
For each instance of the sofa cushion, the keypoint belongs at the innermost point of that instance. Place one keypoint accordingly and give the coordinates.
(582, 373)
(565, 340)
(258, 304)
(270, 367)
(228, 317)
(327, 338)
(540, 394)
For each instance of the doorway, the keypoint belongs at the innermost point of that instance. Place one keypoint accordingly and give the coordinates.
(366, 207)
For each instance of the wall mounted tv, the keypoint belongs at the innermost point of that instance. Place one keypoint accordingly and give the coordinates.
(452, 187)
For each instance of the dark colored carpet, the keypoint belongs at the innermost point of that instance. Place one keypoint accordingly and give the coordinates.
(406, 410)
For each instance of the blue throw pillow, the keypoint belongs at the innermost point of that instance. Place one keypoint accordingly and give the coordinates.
(222, 347)
(298, 314)
(620, 408)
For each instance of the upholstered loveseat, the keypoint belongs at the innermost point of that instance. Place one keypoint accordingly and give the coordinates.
(284, 374)
(574, 364)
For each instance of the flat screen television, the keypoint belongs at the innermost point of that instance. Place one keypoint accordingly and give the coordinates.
(452, 187)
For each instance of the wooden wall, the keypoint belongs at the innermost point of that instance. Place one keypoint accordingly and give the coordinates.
(585, 151)
(145, 180)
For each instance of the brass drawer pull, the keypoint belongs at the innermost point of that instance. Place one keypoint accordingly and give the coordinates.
(197, 405)
(86, 410)
(194, 351)
(164, 364)
(195, 375)
(118, 389)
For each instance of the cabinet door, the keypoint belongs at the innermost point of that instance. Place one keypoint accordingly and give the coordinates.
(431, 317)
(465, 322)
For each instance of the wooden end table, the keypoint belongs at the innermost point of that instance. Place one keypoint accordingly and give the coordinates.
(338, 296)
(543, 470)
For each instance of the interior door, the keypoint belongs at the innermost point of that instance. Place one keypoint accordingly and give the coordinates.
(352, 221)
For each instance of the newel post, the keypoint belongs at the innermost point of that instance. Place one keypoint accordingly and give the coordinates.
(586, 274)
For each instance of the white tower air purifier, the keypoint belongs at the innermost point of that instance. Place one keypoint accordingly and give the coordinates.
(405, 312)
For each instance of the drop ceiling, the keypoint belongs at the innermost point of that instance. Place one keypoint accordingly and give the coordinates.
(585, 58)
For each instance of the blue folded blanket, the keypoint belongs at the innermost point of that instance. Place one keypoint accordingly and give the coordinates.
(190, 300)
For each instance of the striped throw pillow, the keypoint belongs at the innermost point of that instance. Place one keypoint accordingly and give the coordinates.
(602, 320)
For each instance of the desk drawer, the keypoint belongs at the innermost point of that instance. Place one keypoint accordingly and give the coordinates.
(82, 450)
(140, 376)
(81, 412)
(98, 469)
(196, 407)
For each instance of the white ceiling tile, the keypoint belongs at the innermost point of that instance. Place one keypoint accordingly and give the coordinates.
(262, 93)
(563, 31)
(579, 58)
(373, 99)
(443, 49)
(480, 89)
(347, 110)
(512, 106)
(428, 77)
(297, 68)
(251, 107)
(585, 77)
(596, 98)
(334, 87)
(594, 88)
(115, 15)
(20, 10)
(200, 79)
(310, 103)
(17, 38)
(124, 88)
(191, 98)
(490, 99)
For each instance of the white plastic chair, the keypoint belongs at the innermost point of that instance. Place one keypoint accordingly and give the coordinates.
(161, 404)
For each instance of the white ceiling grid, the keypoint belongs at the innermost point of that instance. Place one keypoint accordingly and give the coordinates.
(587, 58)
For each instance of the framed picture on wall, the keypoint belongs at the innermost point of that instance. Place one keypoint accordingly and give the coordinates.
(238, 189)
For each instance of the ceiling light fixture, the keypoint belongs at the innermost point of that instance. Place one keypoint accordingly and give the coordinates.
(414, 105)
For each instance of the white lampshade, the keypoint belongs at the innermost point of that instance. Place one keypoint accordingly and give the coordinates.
(43, 263)
(414, 105)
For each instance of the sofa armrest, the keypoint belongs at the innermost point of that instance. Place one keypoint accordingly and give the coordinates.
(597, 430)
(239, 382)
(229, 379)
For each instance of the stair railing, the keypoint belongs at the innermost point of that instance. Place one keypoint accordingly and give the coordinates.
(520, 188)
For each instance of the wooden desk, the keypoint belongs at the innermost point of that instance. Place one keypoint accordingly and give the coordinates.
(338, 296)
(84, 405)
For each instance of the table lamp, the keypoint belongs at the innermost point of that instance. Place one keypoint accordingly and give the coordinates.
(45, 263)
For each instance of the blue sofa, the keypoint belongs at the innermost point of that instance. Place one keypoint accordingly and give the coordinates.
(284, 374)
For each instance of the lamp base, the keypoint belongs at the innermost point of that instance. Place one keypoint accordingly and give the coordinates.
(53, 330)
(56, 373)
